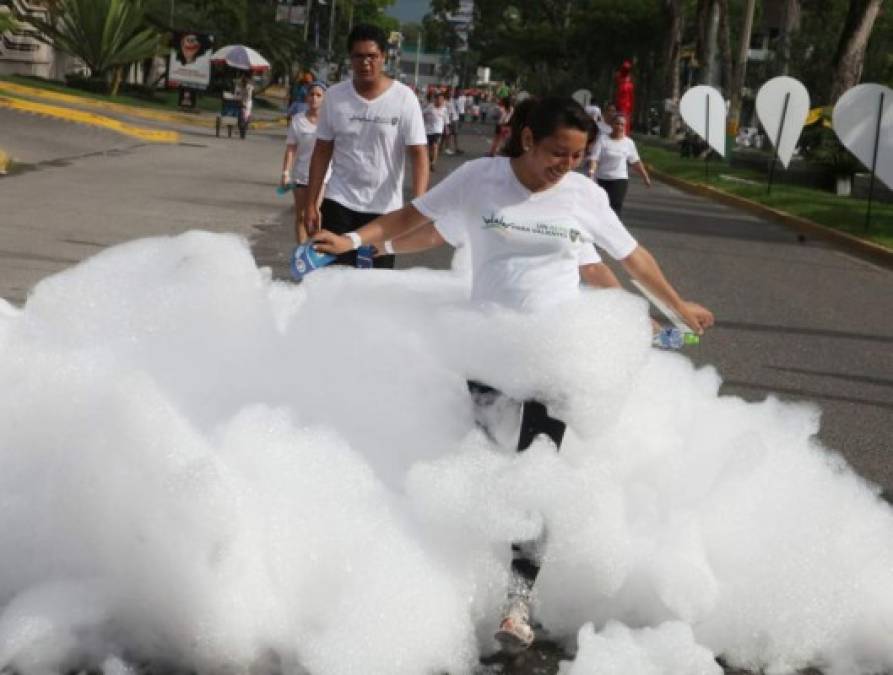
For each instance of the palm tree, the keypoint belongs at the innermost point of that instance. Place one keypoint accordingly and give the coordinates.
(105, 34)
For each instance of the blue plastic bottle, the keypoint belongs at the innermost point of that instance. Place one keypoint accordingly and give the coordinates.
(365, 256)
(305, 259)
(675, 338)
(283, 189)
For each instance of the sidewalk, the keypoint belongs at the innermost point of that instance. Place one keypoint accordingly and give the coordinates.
(165, 125)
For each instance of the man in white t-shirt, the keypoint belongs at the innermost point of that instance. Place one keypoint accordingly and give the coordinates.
(366, 128)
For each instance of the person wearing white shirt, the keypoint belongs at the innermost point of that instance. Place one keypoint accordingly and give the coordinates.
(609, 160)
(525, 218)
(452, 135)
(436, 116)
(299, 142)
(367, 126)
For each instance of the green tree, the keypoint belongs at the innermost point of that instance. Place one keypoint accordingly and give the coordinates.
(105, 34)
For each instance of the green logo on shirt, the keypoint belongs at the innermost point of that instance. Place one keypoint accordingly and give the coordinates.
(546, 229)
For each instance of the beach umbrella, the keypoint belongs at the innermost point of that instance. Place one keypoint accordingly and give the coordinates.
(241, 57)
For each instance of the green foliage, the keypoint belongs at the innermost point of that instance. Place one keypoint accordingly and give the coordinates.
(7, 22)
(104, 34)
(819, 144)
(562, 45)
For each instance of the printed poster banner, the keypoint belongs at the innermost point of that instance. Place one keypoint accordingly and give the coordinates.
(190, 59)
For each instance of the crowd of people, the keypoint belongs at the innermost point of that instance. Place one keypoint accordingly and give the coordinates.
(534, 225)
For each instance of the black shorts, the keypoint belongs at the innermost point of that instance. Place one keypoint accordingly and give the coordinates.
(434, 139)
(616, 189)
(339, 219)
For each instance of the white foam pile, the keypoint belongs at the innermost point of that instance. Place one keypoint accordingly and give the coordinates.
(201, 468)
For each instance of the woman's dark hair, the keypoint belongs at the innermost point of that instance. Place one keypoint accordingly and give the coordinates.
(544, 117)
(364, 32)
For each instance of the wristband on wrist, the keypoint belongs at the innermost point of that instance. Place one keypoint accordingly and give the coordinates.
(354, 239)
(389, 247)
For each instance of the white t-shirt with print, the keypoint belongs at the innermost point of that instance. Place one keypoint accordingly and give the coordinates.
(612, 156)
(435, 118)
(369, 157)
(525, 246)
(302, 133)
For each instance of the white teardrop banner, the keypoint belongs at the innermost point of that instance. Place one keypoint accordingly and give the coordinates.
(704, 111)
(782, 106)
(863, 121)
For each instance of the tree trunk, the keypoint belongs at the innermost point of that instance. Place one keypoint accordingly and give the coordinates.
(117, 77)
(725, 47)
(676, 23)
(705, 45)
(736, 90)
(850, 56)
(790, 25)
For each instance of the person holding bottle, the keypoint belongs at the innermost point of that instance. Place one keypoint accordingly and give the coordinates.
(525, 217)
(367, 127)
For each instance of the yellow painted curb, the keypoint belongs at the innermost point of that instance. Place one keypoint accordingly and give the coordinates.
(863, 248)
(83, 117)
(73, 99)
(135, 111)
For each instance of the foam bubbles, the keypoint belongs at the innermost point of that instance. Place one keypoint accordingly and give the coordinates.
(204, 468)
(669, 649)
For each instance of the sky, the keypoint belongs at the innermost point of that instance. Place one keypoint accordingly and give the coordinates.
(409, 10)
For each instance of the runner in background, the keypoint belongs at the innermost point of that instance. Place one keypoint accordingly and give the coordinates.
(608, 162)
(299, 144)
(503, 126)
(367, 127)
(452, 138)
(436, 116)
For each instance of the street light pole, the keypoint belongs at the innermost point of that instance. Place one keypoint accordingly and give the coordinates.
(172, 14)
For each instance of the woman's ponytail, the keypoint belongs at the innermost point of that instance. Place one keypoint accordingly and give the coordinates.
(520, 115)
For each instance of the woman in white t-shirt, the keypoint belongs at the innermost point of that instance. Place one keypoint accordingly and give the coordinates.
(525, 217)
(298, 149)
(609, 159)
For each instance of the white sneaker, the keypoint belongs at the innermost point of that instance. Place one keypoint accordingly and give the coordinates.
(450, 152)
(515, 634)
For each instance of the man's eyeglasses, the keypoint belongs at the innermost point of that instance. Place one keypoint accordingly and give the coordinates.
(359, 58)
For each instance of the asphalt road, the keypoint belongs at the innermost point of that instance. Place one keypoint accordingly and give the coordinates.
(796, 319)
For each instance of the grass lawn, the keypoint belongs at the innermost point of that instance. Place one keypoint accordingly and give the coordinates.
(846, 214)
(162, 99)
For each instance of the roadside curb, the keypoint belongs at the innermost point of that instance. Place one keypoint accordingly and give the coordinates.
(15, 89)
(875, 253)
(5, 161)
(92, 119)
